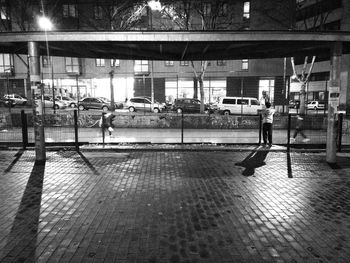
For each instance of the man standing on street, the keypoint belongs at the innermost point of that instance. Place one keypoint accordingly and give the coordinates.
(267, 115)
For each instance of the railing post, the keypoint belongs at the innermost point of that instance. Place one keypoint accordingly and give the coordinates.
(288, 131)
(340, 130)
(182, 127)
(103, 128)
(24, 129)
(260, 127)
(76, 130)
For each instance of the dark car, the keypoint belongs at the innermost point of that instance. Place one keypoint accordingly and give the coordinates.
(94, 103)
(188, 105)
(294, 104)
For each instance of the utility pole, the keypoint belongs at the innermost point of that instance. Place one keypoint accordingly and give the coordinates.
(333, 102)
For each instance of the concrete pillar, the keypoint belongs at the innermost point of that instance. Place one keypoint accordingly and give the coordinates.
(334, 84)
(38, 117)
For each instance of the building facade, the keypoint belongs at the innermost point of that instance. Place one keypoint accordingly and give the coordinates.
(172, 79)
(323, 15)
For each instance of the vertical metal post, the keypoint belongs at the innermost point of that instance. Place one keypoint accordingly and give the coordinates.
(182, 127)
(76, 130)
(103, 128)
(24, 129)
(288, 130)
(38, 118)
(78, 91)
(260, 127)
(334, 84)
(340, 130)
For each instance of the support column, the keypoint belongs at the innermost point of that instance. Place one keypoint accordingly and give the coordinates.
(36, 89)
(334, 87)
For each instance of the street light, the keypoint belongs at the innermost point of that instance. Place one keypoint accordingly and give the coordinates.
(153, 5)
(46, 24)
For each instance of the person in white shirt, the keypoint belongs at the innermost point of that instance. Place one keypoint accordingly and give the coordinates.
(267, 115)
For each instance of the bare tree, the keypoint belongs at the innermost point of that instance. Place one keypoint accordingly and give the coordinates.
(198, 15)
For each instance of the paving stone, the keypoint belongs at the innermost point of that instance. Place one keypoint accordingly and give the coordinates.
(174, 206)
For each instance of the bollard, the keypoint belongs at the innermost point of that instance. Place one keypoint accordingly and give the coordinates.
(24, 129)
(76, 130)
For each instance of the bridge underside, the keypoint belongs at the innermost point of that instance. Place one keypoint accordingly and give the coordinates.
(177, 45)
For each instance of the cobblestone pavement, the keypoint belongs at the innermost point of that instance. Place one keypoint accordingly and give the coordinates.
(174, 206)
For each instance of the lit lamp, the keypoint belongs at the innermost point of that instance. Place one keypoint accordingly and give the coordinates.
(45, 23)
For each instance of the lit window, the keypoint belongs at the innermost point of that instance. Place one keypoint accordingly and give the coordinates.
(184, 63)
(72, 65)
(115, 62)
(221, 63)
(141, 67)
(245, 64)
(4, 12)
(46, 61)
(69, 10)
(206, 9)
(246, 10)
(169, 63)
(6, 63)
(100, 62)
(98, 12)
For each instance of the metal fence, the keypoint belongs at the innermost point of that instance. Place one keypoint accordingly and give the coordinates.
(77, 128)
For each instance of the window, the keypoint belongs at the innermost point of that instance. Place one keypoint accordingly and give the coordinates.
(223, 9)
(6, 63)
(72, 65)
(184, 63)
(141, 67)
(115, 62)
(45, 61)
(245, 64)
(206, 9)
(229, 101)
(169, 63)
(246, 10)
(69, 10)
(100, 62)
(221, 62)
(243, 101)
(98, 12)
(254, 102)
(4, 11)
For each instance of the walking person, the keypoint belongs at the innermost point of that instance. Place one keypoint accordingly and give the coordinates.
(299, 128)
(267, 115)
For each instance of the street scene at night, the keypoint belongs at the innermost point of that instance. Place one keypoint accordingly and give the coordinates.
(184, 131)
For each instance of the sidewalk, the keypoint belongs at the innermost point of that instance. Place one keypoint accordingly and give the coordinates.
(174, 205)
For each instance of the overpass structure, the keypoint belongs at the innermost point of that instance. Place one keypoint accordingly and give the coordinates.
(180, 45)
(177, 45)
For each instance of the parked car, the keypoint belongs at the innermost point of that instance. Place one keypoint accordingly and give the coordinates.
(188, 105)
(69, 101)
(94, 103)
(239, 105)
(16, 99)
(315, 105)
(143, 104)
(294, 104)
(6, 102)
(48, 103)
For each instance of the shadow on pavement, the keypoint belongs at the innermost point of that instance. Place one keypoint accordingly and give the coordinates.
(18, 156)
(254, 160)
(23, 235)
(92, 168)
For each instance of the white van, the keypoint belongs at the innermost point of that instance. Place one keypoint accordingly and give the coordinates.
(239, 105)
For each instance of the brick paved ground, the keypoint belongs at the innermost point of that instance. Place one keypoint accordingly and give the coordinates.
(174, 206)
